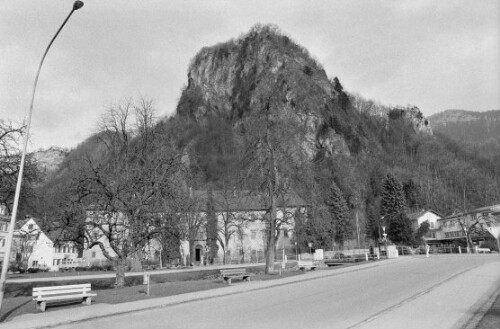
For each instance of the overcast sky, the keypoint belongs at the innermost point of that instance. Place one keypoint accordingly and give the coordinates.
(436, 55)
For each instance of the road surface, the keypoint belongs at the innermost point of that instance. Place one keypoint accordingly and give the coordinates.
(417, 292)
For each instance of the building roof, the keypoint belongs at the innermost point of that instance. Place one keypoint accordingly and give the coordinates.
(243, 201)
(21, 222)
(418, 214)
(493, 210)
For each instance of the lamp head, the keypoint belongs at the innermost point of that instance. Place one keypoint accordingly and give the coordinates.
(77, 5)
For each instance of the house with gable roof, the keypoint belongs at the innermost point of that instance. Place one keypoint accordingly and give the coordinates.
(34, 248)
(430, 216)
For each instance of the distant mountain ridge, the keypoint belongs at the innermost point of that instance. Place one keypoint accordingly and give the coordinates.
(468, 126)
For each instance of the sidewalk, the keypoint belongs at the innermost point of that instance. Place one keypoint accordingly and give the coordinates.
(51, 319)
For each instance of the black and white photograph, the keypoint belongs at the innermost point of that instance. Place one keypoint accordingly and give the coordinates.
(260, 164)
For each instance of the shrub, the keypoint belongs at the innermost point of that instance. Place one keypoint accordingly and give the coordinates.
(16, 268)
(109, 267)
(96, 268)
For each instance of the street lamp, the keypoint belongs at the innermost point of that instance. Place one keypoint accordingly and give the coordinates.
(385, 240)
(5, 265)
(379, 234)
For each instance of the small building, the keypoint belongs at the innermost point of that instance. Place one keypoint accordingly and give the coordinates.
(34, 248)
(481, 222)
(242, 226)
(430, 216)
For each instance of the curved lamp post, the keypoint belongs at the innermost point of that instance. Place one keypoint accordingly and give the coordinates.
(5, 265)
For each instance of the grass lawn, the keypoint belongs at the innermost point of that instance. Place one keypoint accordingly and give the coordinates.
(18, 296)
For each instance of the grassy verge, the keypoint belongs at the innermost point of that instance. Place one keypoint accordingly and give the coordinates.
(18, 295)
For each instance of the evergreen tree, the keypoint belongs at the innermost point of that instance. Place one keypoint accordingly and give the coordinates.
(412, 194)
(340, 215)
(393, 199)
(392, 209)
(399, 230)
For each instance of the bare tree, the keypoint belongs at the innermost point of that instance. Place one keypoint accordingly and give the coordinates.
(193, 221)
(473, 223)
(127, 183)
(227, 219)
(23, 245)
(10, 157)
(275, 133)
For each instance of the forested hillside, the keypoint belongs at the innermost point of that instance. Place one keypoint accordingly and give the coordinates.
(259, 114)
(477, 132)
(480, 128)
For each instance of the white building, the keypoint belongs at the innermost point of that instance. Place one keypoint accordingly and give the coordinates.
(240, 216)
(430, 216)
(241, 229)
(33, 247)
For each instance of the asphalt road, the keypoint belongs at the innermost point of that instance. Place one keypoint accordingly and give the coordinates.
(436, 292)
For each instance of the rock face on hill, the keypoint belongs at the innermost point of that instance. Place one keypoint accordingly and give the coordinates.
(50, 159)
(231, 79)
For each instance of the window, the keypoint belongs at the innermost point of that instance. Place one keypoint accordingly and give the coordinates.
(253, 234)
(93, 254)
(432, 224)
(3, 242)
(285, 233)
(30, 227)
(35, 263)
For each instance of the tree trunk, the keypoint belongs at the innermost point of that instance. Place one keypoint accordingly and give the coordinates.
(191, 252)
(121, 265)
(271, 239)
(469, 243)
(226, 241)
(136, 265)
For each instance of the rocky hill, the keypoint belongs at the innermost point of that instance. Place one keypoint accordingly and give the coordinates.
(239, 90)
(231, 79)
(50, 159)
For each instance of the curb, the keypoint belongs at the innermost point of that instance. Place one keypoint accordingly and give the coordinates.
(480, 309)
(56, 318)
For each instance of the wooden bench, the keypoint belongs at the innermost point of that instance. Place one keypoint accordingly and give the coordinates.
(306, 264)
(236, 273)
(42, 295)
